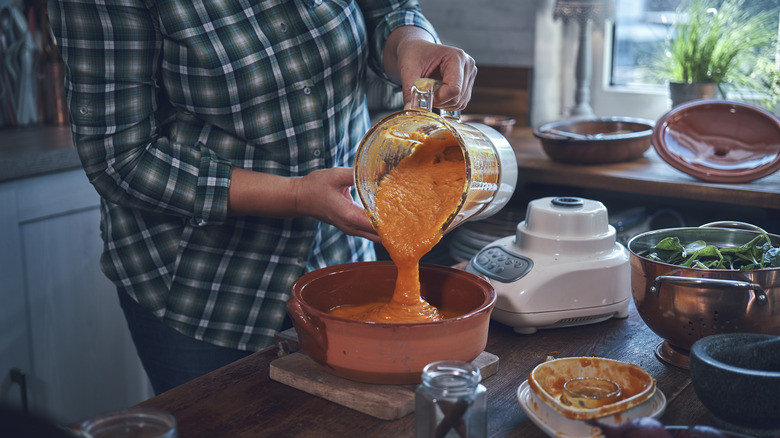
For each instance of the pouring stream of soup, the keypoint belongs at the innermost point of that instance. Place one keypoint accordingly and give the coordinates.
(412, 203)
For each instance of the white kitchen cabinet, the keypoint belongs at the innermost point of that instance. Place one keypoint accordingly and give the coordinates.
(60, 320)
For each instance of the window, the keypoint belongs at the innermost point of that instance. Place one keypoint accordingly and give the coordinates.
(623, 85)
(640, 29)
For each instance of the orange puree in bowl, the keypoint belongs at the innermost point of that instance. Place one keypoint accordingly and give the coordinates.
(412, 203)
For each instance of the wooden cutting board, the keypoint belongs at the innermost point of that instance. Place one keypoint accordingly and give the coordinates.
(386, 402)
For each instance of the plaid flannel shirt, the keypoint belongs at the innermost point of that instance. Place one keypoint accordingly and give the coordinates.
(167, 96)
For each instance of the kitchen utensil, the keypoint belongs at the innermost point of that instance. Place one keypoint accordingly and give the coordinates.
(390, 353)
(563, 267)
(491, 166)
(719, 141)
(683, 305)
(595, 141)
(739, 386)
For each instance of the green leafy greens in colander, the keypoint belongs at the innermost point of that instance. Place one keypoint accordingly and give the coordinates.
(756, 254)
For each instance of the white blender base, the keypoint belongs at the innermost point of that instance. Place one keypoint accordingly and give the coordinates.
(530, 323)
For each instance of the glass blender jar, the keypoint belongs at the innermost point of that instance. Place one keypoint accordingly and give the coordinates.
(491, 165)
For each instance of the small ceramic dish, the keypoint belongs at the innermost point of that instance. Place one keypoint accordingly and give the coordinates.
(547, 381)
(554, 424)
(719, 141)
(502, 124)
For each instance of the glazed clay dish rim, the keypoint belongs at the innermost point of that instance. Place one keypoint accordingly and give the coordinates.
(543, 131)
(486, 304)
(702, 171)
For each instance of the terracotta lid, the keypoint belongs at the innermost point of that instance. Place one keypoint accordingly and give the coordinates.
(719, 141)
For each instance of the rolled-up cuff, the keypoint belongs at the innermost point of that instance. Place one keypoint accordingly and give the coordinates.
(211, 197)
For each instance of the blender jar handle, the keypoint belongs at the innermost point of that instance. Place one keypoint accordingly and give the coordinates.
(422, 93)
(422, 97)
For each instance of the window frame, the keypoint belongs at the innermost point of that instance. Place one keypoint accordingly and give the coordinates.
(650, 102)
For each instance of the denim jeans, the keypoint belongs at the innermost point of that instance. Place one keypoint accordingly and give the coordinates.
(169, 357)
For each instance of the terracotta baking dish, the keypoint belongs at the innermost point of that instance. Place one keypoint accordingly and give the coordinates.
(719, 141)
(383, 352)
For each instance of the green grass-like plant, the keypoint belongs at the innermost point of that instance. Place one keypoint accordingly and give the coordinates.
(719, 42)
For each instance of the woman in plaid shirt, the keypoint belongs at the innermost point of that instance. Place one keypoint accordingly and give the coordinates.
(220, 136)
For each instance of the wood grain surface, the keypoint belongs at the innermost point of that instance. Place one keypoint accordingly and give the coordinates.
(241, 399)
(386, 402)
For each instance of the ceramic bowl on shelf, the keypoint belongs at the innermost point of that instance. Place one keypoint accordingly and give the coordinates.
(719, 141)
(388, 353)
(502, 124)
(596, 141)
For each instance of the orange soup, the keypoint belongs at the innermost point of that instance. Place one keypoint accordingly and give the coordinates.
(412, 203)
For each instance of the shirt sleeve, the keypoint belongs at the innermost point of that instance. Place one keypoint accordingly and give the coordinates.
(383, 17)
(117, 106)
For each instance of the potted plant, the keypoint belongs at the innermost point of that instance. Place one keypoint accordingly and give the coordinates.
(767, 75)
(714, 43)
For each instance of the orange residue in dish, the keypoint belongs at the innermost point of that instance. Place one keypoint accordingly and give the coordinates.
(413, 202)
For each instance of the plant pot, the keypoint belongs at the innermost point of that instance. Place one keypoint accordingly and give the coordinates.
(684, 92)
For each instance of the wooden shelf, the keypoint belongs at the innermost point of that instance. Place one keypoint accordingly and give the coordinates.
(649, 175)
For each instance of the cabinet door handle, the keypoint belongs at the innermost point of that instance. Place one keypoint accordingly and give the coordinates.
(18, 377)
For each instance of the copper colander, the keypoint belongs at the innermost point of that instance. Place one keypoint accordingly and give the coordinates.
(683, 305)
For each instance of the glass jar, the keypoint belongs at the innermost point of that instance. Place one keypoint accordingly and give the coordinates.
(133, 422)
(491, 165)
(451, 401)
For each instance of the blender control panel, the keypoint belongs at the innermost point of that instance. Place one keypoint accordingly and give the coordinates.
(502, 265)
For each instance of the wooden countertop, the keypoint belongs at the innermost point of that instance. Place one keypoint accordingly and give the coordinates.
(649, 175)
(241, 400)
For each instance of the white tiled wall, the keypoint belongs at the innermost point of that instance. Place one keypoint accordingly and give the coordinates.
(493, 32)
